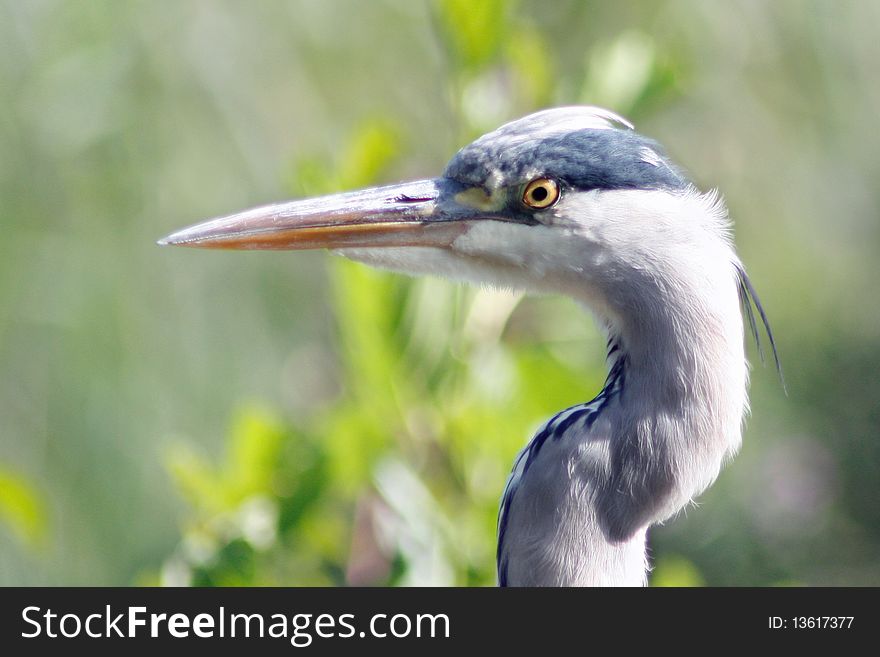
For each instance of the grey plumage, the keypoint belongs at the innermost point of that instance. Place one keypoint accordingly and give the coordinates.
(585, 159)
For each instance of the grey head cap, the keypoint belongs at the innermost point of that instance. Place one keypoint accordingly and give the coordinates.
(585, 148)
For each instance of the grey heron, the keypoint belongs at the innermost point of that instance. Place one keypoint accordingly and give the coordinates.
(571, 201)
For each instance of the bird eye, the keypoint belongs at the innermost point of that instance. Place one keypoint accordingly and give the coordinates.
(541, 193)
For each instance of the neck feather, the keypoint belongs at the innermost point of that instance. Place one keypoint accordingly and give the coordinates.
(680, 367)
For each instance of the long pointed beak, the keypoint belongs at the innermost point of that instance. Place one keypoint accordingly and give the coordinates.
(420, 213)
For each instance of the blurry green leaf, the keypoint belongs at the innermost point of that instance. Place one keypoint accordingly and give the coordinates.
(356, 436)
(303, 480)
(196, 478)
(312, 177)
(326, 535)
(22, 508)
(252, 459)
(474, 31)
(530, 60)
(675, 571)
(233, 565)
(369, 152)
(618, 73)
(249, 465)
(630, 74)
(665, 82)
(365, 302)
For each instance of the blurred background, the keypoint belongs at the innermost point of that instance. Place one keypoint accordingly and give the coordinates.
(181, 417)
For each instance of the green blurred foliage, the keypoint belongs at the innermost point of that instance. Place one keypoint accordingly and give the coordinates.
(22, 508)
(473, 32)
(177, 417)
(676, 571)
(253, 450)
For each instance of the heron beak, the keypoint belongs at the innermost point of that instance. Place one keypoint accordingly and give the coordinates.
(420, 213)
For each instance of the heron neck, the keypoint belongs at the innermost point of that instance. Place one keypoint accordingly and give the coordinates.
(583, 493)
(679, 412)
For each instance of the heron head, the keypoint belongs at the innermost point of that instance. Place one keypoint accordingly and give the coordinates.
(562, 200)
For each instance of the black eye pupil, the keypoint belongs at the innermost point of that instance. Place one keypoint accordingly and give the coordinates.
(539, 194)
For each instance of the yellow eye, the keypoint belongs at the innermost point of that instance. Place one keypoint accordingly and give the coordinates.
(541, 193)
